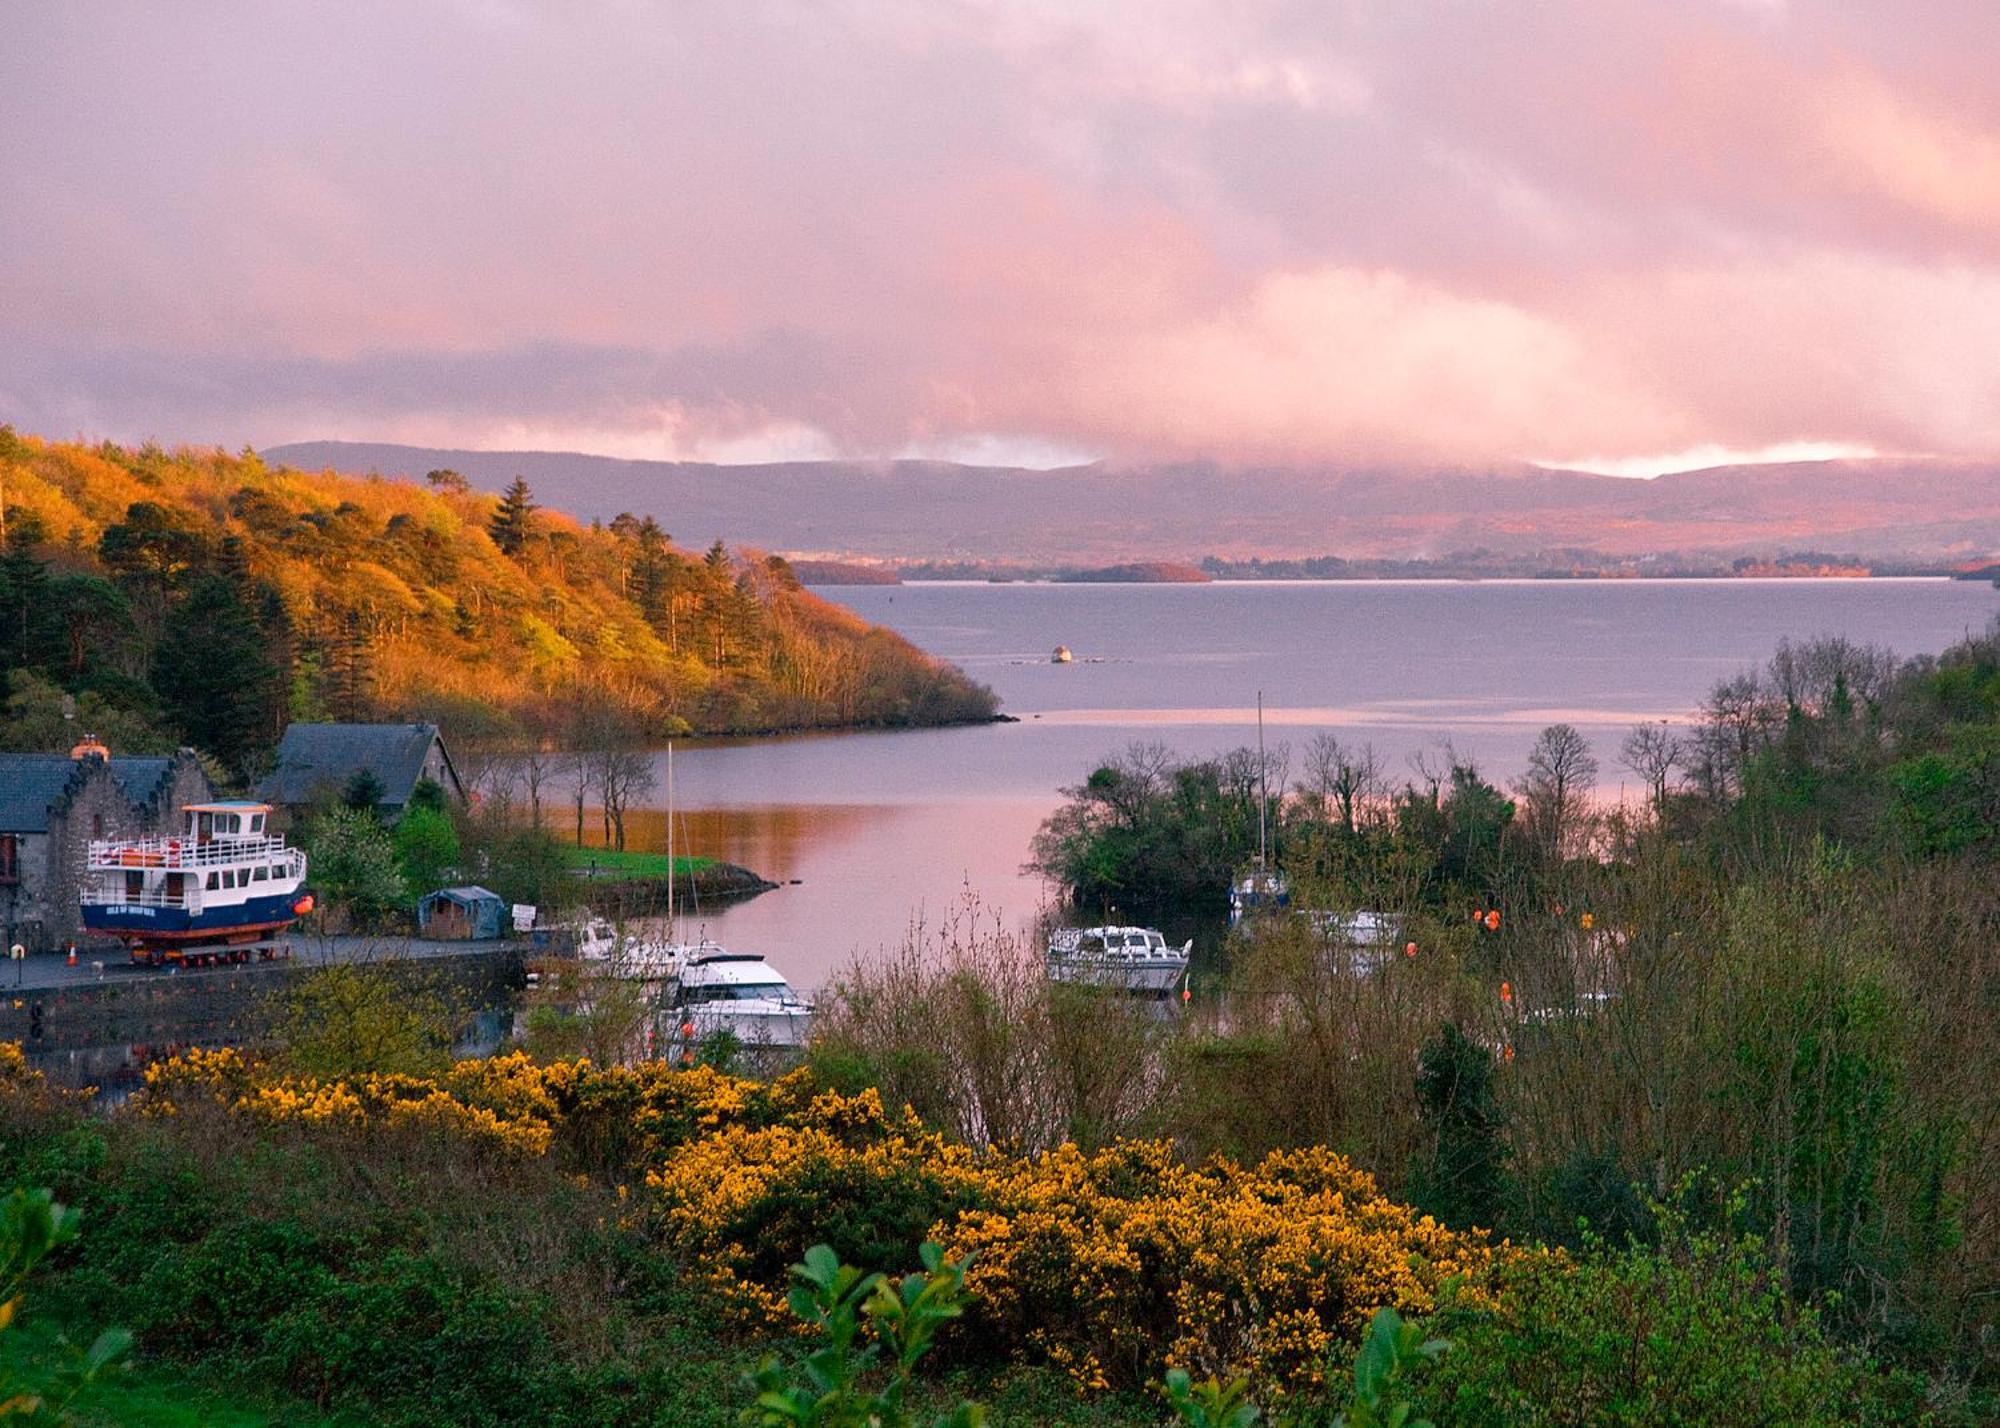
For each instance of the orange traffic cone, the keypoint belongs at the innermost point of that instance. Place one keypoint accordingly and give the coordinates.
(72, 954)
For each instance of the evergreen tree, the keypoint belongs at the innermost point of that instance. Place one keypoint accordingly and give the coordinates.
(652, 575)
(1461, 1184)
(155, 548)
(364, 791)
(350, 670)
(509, 526)
(24, 582)
(213, 674)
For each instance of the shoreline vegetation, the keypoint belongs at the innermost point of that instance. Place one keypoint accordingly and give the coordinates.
(1660, 1115)
(191, 596)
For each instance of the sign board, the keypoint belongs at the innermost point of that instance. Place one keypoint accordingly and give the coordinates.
(524, 916)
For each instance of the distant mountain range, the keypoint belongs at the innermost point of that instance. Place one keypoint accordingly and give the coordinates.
(914, 510)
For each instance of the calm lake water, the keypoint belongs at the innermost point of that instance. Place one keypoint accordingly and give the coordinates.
(884, 828)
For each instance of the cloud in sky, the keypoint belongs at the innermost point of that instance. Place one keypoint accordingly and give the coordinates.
(1373, 230)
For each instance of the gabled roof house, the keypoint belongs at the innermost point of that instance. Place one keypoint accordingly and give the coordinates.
(316, 762)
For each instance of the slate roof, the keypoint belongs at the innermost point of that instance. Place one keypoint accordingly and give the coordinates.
(467, 896)
(33, 786)
(316, 760)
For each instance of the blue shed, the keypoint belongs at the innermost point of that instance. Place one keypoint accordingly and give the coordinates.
(467, 914)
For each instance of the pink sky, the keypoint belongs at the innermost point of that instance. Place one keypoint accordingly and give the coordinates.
(1583, 231)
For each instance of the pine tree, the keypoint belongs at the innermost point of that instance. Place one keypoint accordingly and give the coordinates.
(213, 675)
(652, 575)
(509, 526)
(350, 671)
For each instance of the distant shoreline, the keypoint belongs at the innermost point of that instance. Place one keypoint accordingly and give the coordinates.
(1689, 579)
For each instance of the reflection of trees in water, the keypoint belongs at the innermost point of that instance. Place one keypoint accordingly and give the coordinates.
(771, 839)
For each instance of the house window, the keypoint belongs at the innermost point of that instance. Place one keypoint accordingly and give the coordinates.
(10, 859)
(97, 825)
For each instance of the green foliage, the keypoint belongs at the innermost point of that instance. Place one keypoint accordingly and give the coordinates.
(1210, 1403)
(1699, 1330)
(42, 717)
(426, 848)
(510, 524)
(363, 791)
(354, 866)
(346, 1020)
(1461, 1182)
(850, 1381)
(32, 1226)
(213, 671)
(1390, 1354)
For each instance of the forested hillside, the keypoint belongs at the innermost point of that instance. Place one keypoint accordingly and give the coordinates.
(193, 596)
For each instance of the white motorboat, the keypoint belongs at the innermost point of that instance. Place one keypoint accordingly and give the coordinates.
(718, 990)
(1131, 959)
(647, 959)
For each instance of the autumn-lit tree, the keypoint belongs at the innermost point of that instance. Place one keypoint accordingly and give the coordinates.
(447, 482)
(510, 524)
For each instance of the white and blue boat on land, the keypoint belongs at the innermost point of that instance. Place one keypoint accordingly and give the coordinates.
(223, 884)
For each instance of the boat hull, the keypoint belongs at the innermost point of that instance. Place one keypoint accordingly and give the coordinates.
(134, 921)
(777, 1026)
(1153, 977)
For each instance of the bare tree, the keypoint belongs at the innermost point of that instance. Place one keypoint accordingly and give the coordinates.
(1653, 752)
(1342, 778)
(622, 772)
(1741, 718)
(1556, 789)
(582, 774)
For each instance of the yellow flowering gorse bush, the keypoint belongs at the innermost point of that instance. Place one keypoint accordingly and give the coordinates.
(1111, 1264)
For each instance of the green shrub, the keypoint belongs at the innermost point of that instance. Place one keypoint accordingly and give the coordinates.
(1697, 1331)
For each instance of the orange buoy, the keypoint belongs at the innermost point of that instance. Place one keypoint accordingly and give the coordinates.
(1409, 949)
(1507, 992)
(1588, 922)
(1493, 920)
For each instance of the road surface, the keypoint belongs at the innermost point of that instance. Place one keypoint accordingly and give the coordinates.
(50, 971)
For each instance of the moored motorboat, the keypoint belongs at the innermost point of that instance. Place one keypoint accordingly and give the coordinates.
(717, 990)
(1256, 891)
(1130, 959)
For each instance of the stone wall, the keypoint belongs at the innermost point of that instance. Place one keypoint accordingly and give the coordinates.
(98, 809)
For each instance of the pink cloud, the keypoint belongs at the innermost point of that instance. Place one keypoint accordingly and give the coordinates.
(1266, 231)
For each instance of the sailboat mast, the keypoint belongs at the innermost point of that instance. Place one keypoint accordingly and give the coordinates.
(1263, 788)
(670, 837)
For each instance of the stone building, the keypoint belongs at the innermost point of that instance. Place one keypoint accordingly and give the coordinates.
(52, 805)
(316, 763)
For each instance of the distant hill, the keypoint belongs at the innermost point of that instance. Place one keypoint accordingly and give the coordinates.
(1104, 514)
(213, 598)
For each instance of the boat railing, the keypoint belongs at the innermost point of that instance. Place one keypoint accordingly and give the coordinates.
(1076, 949)
(183, 853)
(188, 897)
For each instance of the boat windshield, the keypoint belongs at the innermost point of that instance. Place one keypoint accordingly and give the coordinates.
(739, 992)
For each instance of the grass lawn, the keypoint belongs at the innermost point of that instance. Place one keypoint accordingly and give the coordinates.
(153, 1394)
(634, 865)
